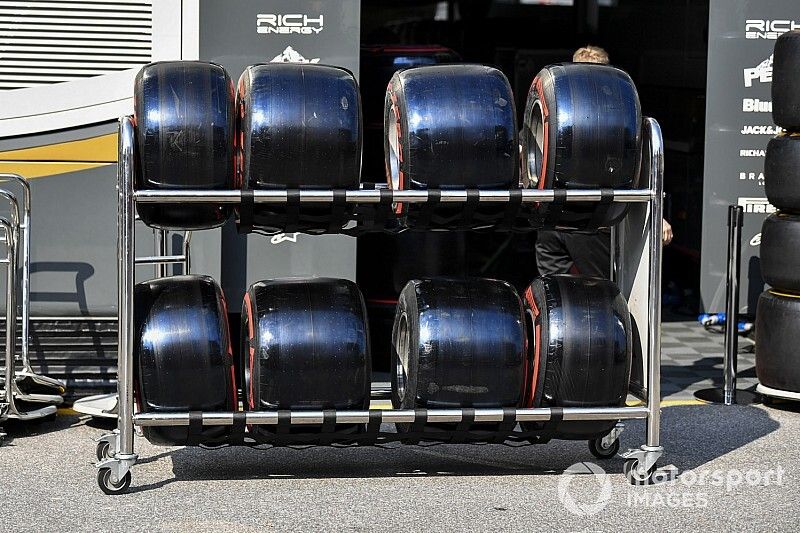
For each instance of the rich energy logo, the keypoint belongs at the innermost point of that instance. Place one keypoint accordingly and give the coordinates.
(754, 105)
(762, 73)
(752, 153)
(759, 206)
(290, 55)
(768, 29)
(289, 23)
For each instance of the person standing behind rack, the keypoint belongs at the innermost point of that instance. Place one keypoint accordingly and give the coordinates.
(574, 253)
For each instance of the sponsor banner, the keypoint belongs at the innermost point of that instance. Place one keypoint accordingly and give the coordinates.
(752, 176)
(300, 24)
(246, 32)
(739, 125)
(754, 105)
(756, 206)
(759, 28)
(760, 74)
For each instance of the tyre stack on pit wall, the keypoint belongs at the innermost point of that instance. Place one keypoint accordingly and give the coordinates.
(778, 313)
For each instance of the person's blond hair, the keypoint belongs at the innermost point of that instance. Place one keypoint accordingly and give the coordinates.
(590, 54)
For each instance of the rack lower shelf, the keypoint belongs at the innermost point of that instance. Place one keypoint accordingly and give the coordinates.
(401, 416)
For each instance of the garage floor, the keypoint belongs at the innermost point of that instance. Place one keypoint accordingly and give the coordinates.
(732, 468)
(691, 360)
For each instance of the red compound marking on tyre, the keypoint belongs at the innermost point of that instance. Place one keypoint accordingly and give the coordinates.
(537, 345)
(545, 129)
(248, 306)
(224, 305)
(400, 176)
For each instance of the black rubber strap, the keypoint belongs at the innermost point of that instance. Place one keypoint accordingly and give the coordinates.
(426, 212)
(384, 210)
(507, 425)
(600, 214)
(338, 211)
(284, 422)
(365, 213)
(195, 433)
(292, 210)
(512, 209)
(556, 207)
(328, 429)
(417, 429)
(375, 421)
(509, 419)
(238, 428)
(461, 433)
(551, 426)
(246, 207)
(329, 420)
(471, 205)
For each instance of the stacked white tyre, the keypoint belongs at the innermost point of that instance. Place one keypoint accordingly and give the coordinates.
(778, 313)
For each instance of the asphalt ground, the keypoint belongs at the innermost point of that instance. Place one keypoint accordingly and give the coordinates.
(733, 468)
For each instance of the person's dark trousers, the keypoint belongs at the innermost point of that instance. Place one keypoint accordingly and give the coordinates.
(574, 253)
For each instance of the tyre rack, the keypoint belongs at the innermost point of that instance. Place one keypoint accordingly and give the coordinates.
(118, 457)
(15, 230)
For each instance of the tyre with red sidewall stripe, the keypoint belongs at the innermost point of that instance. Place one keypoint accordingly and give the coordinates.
(582, 130)
(458, 343)
(580, 349)
(184, 130)
(305, 345)
(182, 355)
(300, 128)
(378, 65)
(463, 135)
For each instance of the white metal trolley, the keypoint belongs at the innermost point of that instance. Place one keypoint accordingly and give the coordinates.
(116, 454)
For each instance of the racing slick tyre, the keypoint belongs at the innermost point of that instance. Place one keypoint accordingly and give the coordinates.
(182, 352)
(450, 126)
(378, 64)
(299, 128)
(785, 83)
(581, 345)
(184, 117)
(777, 321)
(458, 343)
(306, 347)
(780, 255)
(582, 130)
(781, 180)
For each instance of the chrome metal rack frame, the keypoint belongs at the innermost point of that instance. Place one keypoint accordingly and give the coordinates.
(13, 230)
(121, 455)
(23, 251)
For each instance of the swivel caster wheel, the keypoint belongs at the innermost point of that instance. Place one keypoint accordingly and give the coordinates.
(103, 451)
(636, 474)
(603, 450)
(109, 487)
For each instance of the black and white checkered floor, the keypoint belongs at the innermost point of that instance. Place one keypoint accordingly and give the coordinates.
(691, 360)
